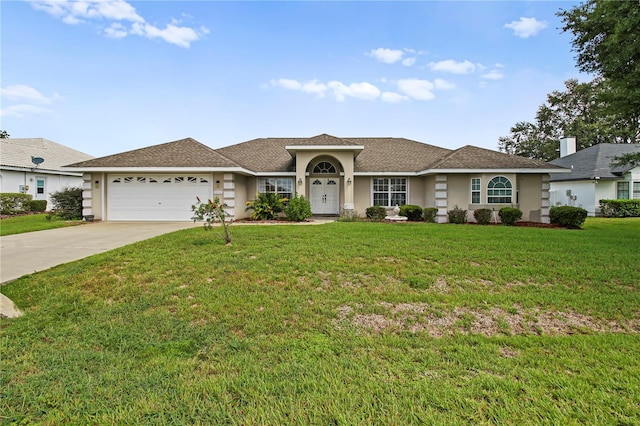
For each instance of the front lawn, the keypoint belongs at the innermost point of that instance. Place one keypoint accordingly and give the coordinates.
(344, 323)
(30, 223)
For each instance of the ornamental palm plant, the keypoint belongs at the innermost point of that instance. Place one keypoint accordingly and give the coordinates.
(266, 206)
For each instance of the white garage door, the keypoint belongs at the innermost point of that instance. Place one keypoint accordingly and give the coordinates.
(155, 197)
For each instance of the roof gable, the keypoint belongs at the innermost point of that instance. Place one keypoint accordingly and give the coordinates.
(473, 157)
(325, 139)
(595, 161)
(181, 153)
(18, 152)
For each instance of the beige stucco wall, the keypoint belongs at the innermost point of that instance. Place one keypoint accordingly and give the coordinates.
(93, 191)
(242, 189)
(417, 191)
(527, 190)
(345, 158)
(429, 190)
(529, 196)
(362, 194)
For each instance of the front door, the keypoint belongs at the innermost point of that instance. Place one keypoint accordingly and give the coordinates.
(325, 196)
(41, 191)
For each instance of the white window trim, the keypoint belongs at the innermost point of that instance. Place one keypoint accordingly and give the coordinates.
(293, 188)
(512, 189)
(479, 190)
(407, 191)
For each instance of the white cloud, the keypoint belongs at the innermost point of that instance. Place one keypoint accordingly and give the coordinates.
(388, 56)
(409, 61)
(72, 12)
(453, 67)
(362, 90)
(494, 74)
(443, 84)
(180, 36)
(393, 97)
(309, 87)
(526, 27)
(116, 30)
(114, 13)
(417, 89)
(22, 110)
(22, 92)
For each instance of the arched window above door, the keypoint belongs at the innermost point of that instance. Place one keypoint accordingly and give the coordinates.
(324, 168)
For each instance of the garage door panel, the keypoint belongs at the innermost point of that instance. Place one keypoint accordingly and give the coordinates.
(145, 197)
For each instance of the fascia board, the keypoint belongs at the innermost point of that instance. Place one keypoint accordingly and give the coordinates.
(40, 171)
(466, 171)
(385, 174)
(275, 174)
(324, 147)
(240, 170)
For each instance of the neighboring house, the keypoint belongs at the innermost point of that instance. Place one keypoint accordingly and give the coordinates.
(33, 166)
(592, 177)
(336, 175)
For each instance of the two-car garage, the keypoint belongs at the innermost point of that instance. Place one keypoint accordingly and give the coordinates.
(137, 197)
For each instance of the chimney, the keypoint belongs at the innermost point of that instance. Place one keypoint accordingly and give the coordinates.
(567, 146)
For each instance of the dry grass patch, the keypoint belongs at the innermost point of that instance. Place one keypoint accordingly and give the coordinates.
(421, 318)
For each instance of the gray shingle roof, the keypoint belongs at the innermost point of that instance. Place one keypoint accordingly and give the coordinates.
(17, 152)
(181, 153)
(384, 155)
(594, 161)
(472, 157)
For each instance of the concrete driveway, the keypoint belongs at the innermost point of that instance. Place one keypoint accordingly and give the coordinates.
(31, 252)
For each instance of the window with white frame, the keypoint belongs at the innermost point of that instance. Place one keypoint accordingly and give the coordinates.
(388, 192)
(623, 191)
(475, 190)
(499, 191)
(281, 186)
(636, 190)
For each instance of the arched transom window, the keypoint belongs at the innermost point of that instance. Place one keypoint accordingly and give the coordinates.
(324, 168)
(499, 191)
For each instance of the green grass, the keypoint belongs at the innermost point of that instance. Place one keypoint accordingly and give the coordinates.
(30, 223)
(345, 323)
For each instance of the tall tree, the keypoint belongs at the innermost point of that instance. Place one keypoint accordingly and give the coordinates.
(606, 38)
(577, 111)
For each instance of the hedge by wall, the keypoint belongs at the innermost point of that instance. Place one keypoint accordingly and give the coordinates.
(620, 208)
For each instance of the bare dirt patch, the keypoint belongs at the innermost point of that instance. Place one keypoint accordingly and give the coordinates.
(421, 317)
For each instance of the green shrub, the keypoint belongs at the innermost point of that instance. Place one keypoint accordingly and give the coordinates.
(376, 213)
(14, 203)
(620, 208)
(266, 206)
(38, 206)
(510, 215)
(567, 216)
(411, 212)
(298, 209)
(457, 215)
(67, 204)
(430, 214)
(482, 216)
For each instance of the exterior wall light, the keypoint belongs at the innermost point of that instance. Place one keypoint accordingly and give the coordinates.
(348, 181)
(299, 181)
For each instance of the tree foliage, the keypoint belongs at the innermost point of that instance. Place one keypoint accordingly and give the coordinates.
(607, 42)
(67, 204)
(4, 134)
(605, 110)
(577, 111)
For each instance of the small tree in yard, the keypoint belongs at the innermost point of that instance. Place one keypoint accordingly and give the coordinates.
(67, 204)
(212, 212)
(298, 209)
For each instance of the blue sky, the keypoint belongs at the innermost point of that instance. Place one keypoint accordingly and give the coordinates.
(110, 76)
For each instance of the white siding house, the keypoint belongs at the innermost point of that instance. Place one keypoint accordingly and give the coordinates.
(33, 166)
